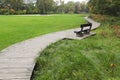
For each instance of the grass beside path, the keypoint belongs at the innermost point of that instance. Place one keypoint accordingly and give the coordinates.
(94, 58)
(14, 29)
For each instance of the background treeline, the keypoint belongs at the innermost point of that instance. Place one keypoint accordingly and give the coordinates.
(105, 7)
(41, 7)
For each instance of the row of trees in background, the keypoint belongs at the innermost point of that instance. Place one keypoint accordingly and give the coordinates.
(105, 7)
(10, 6)
(72, 7)
(41, 6)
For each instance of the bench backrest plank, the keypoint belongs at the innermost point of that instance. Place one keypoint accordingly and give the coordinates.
(86, 25)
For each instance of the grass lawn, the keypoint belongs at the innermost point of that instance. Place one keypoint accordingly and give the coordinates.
(94, 58)
(14, 29)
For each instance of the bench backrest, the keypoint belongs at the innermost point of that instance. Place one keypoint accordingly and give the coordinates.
(86, 25)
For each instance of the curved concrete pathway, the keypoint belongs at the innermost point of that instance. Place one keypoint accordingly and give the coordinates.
(17, 61)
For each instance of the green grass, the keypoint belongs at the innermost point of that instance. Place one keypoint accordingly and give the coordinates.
(94, 58)
(14, 29)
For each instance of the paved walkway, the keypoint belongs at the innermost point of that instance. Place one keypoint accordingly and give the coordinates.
(17, 61)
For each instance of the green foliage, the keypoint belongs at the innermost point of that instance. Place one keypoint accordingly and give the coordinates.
(40, 7)
(10, 6)
(31, 9)
(106, 7)
(94, 58)
(70, 7)
(77, 7)
(14, 29)
(44, 6)
(73, 7)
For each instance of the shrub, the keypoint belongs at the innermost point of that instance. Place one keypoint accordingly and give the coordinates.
(98, 17)
(116, 31)
(35, 11)
(24, 11)
(12, 11)
(3, 11)
(21, 12)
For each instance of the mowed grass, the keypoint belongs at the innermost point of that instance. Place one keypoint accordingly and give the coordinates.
(94, 58)
(14, 29)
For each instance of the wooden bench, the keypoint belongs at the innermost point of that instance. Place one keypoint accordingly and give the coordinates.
(85, 29)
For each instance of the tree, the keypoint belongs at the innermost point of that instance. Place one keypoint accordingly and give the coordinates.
(8, 6)
(61, 7)
(70, 7)
(77, 7)
(31, 8)
(106, 7)
(44, 6)
(84, 6)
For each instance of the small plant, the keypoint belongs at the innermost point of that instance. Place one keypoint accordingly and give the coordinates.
(103, 33)
(98, 17)
(116, 31)
(24, 11)
(12, 11)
